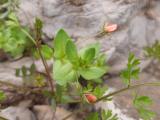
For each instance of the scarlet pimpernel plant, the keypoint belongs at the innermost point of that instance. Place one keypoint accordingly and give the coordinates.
(77, 76)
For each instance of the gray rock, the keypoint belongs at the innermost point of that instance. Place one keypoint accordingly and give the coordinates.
(17, 113)
(138, 23)
(45, 112)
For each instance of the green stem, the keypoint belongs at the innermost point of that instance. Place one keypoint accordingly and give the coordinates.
(28, 35)
(129, 88)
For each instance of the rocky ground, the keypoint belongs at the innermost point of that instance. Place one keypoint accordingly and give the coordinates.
(121, 104)
(138, 26)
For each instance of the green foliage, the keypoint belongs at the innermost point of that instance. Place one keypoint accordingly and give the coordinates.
(132, 70)
(153, 50)
(70, 64)
(91, 73)
(12, 39)
(30, 76)
(6, 6)
(98, 91)
(89, 55)
(63, 72)
(47, 52)
(103, 115)
(71, 52)
(2, 96)
(60, 42)
(93, 116)
(108, 115)
(38, 25)
(141, 103)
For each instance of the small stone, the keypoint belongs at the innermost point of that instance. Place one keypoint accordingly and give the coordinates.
(17, 113)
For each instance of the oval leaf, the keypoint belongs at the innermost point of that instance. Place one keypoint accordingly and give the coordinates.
(93, 72)
(60, 43)
(47, 52)
(89, 55)
(63, 72)
(71, 52)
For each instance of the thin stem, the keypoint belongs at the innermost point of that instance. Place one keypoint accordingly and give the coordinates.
(38, 45)
(27, 34)
(129, 88)
(23, 88)
(50, 80)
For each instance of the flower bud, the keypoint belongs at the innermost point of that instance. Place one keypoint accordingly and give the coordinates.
(90, 98)
(110, 27)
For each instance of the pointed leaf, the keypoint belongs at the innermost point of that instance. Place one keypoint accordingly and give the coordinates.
(47, 52)
(71, 52)
(60, 43)
(89, 55)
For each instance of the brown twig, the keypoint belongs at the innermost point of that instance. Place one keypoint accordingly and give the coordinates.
(50, 80)
(21, 88)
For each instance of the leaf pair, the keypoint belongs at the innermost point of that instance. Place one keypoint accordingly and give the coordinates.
(141, 103)
(132, 70)
(63, 72)
(104, 115)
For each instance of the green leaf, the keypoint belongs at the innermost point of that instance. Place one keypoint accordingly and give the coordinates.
(96, 46)
(24, 71)
(153, 51)
(101, 60)
(17, 72)
(32, 69)
(92, 72)
(99, 91)
(71, 52)
(99, 80)
(2, 96)
(66, 99)
(63, 73)
(107, 115)
(146, 114)
(93, 116)
(89, 55)
(60, 44)
(59, 92)
(142, 101)
(38, 24)
(47, 52)
(132, 71)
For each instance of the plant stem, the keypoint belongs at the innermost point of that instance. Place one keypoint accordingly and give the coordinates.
(22, 88)
(50, 80)
(129, 88)
(38, 45)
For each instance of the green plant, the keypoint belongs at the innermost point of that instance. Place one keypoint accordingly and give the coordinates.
(12, 39)
(153, 51)
(7, 6)
(69, 64)
(77, 76)
(141, 103)
(2, 96)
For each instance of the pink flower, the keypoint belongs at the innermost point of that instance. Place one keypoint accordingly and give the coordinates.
(110, 27)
